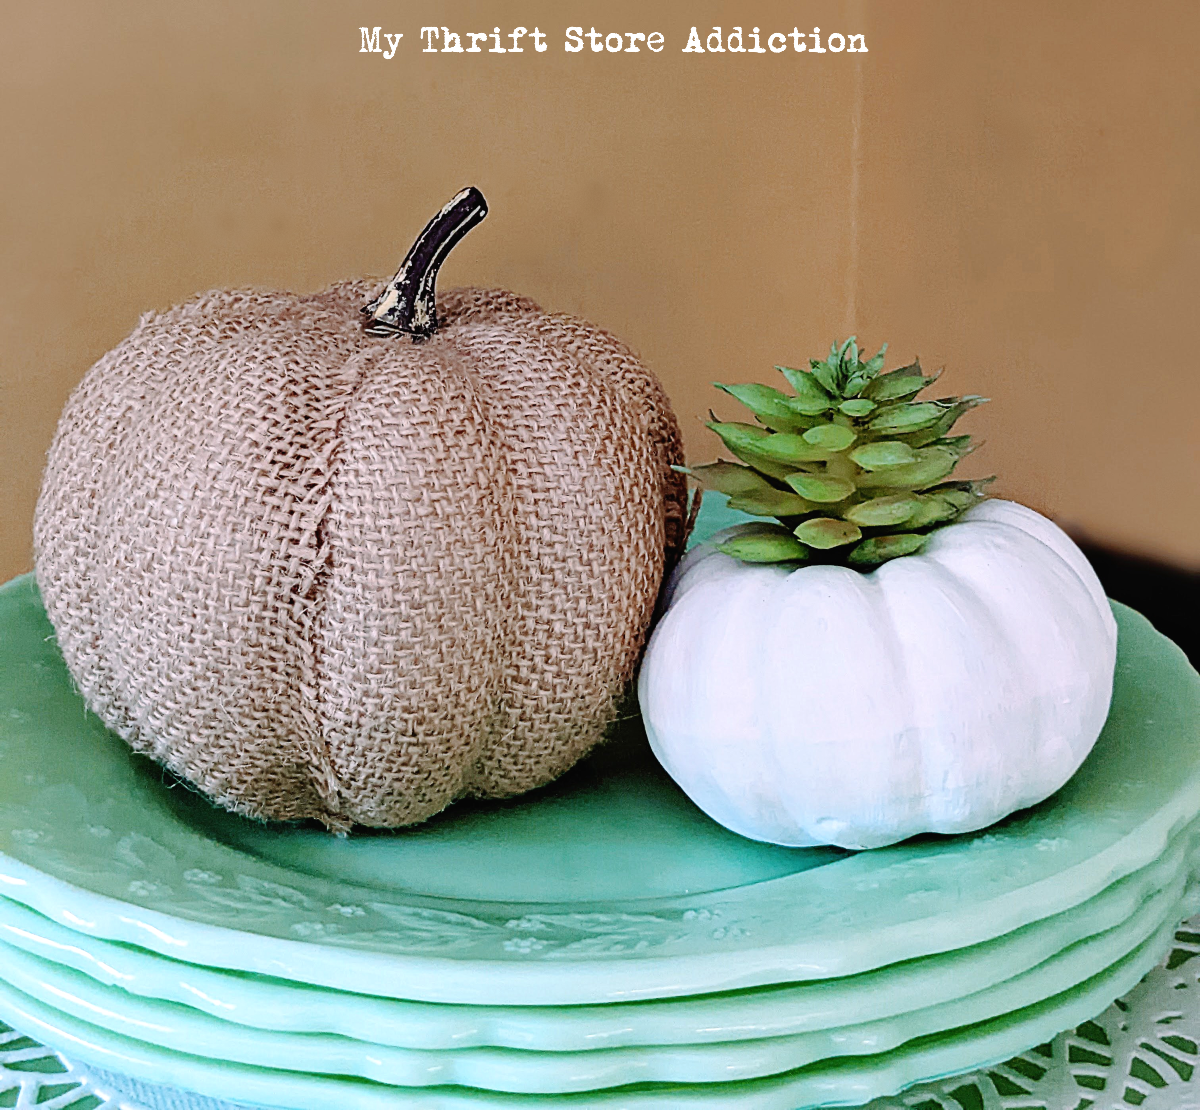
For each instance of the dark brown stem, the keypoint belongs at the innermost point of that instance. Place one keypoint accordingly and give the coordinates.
(406, 304)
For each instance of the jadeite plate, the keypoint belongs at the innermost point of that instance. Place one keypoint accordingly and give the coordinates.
(890, 992)
(183, 1029)
(845, 1080)
(608, 886)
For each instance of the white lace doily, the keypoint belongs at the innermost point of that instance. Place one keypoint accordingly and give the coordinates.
(1142, 1053)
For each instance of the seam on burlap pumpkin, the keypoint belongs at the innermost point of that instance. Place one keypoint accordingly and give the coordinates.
(322, 574)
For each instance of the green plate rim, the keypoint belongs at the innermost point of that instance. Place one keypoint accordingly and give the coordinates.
(847, 1081)
(798, 927)
(785, 1009)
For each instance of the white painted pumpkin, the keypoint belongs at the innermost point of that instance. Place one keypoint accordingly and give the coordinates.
(937, 693)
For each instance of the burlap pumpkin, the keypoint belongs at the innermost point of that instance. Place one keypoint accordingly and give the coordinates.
(322, 573)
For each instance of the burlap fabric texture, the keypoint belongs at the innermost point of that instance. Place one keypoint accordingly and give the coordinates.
(319, 573)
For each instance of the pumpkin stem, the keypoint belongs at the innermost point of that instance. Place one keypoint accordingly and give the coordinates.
(407, 301)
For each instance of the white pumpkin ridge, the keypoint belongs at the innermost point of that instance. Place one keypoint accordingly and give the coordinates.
(938, 693)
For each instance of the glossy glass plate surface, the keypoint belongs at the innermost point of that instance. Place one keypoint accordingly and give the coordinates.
(273, 1004)
(845, 1080)
(184, 1029)
(607, 886)
(1144, 1049)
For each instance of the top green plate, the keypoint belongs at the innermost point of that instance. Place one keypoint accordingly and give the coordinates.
(607, 886)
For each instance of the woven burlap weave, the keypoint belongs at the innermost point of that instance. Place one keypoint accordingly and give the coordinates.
(323, 574)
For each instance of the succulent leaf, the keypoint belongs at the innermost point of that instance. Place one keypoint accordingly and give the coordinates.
(729, 478)
(975, 489)
(793, 422)
(879, 549)
(961, 501)
(954, 407)
(883, 512)
(823, 533)
(822, 488)
(909, 416)
(746, 442)
(875, 363)
(806, 406)
(883, 390)
(883, 453)
(772, 467)
(739, 437)
(932, 509)
(831, 437)
(771, 502)
(932, 465)
(826, 373)
(793, 449)
(811, 398)
(962, 444)
(761, 400)
(852, 451)
(899, 385)
(774, 546)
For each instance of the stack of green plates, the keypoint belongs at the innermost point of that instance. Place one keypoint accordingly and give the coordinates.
(598, 943)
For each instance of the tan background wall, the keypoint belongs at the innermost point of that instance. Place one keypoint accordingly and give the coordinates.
(1026, 208)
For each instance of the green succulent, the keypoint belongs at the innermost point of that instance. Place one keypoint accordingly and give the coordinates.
(852, 466)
